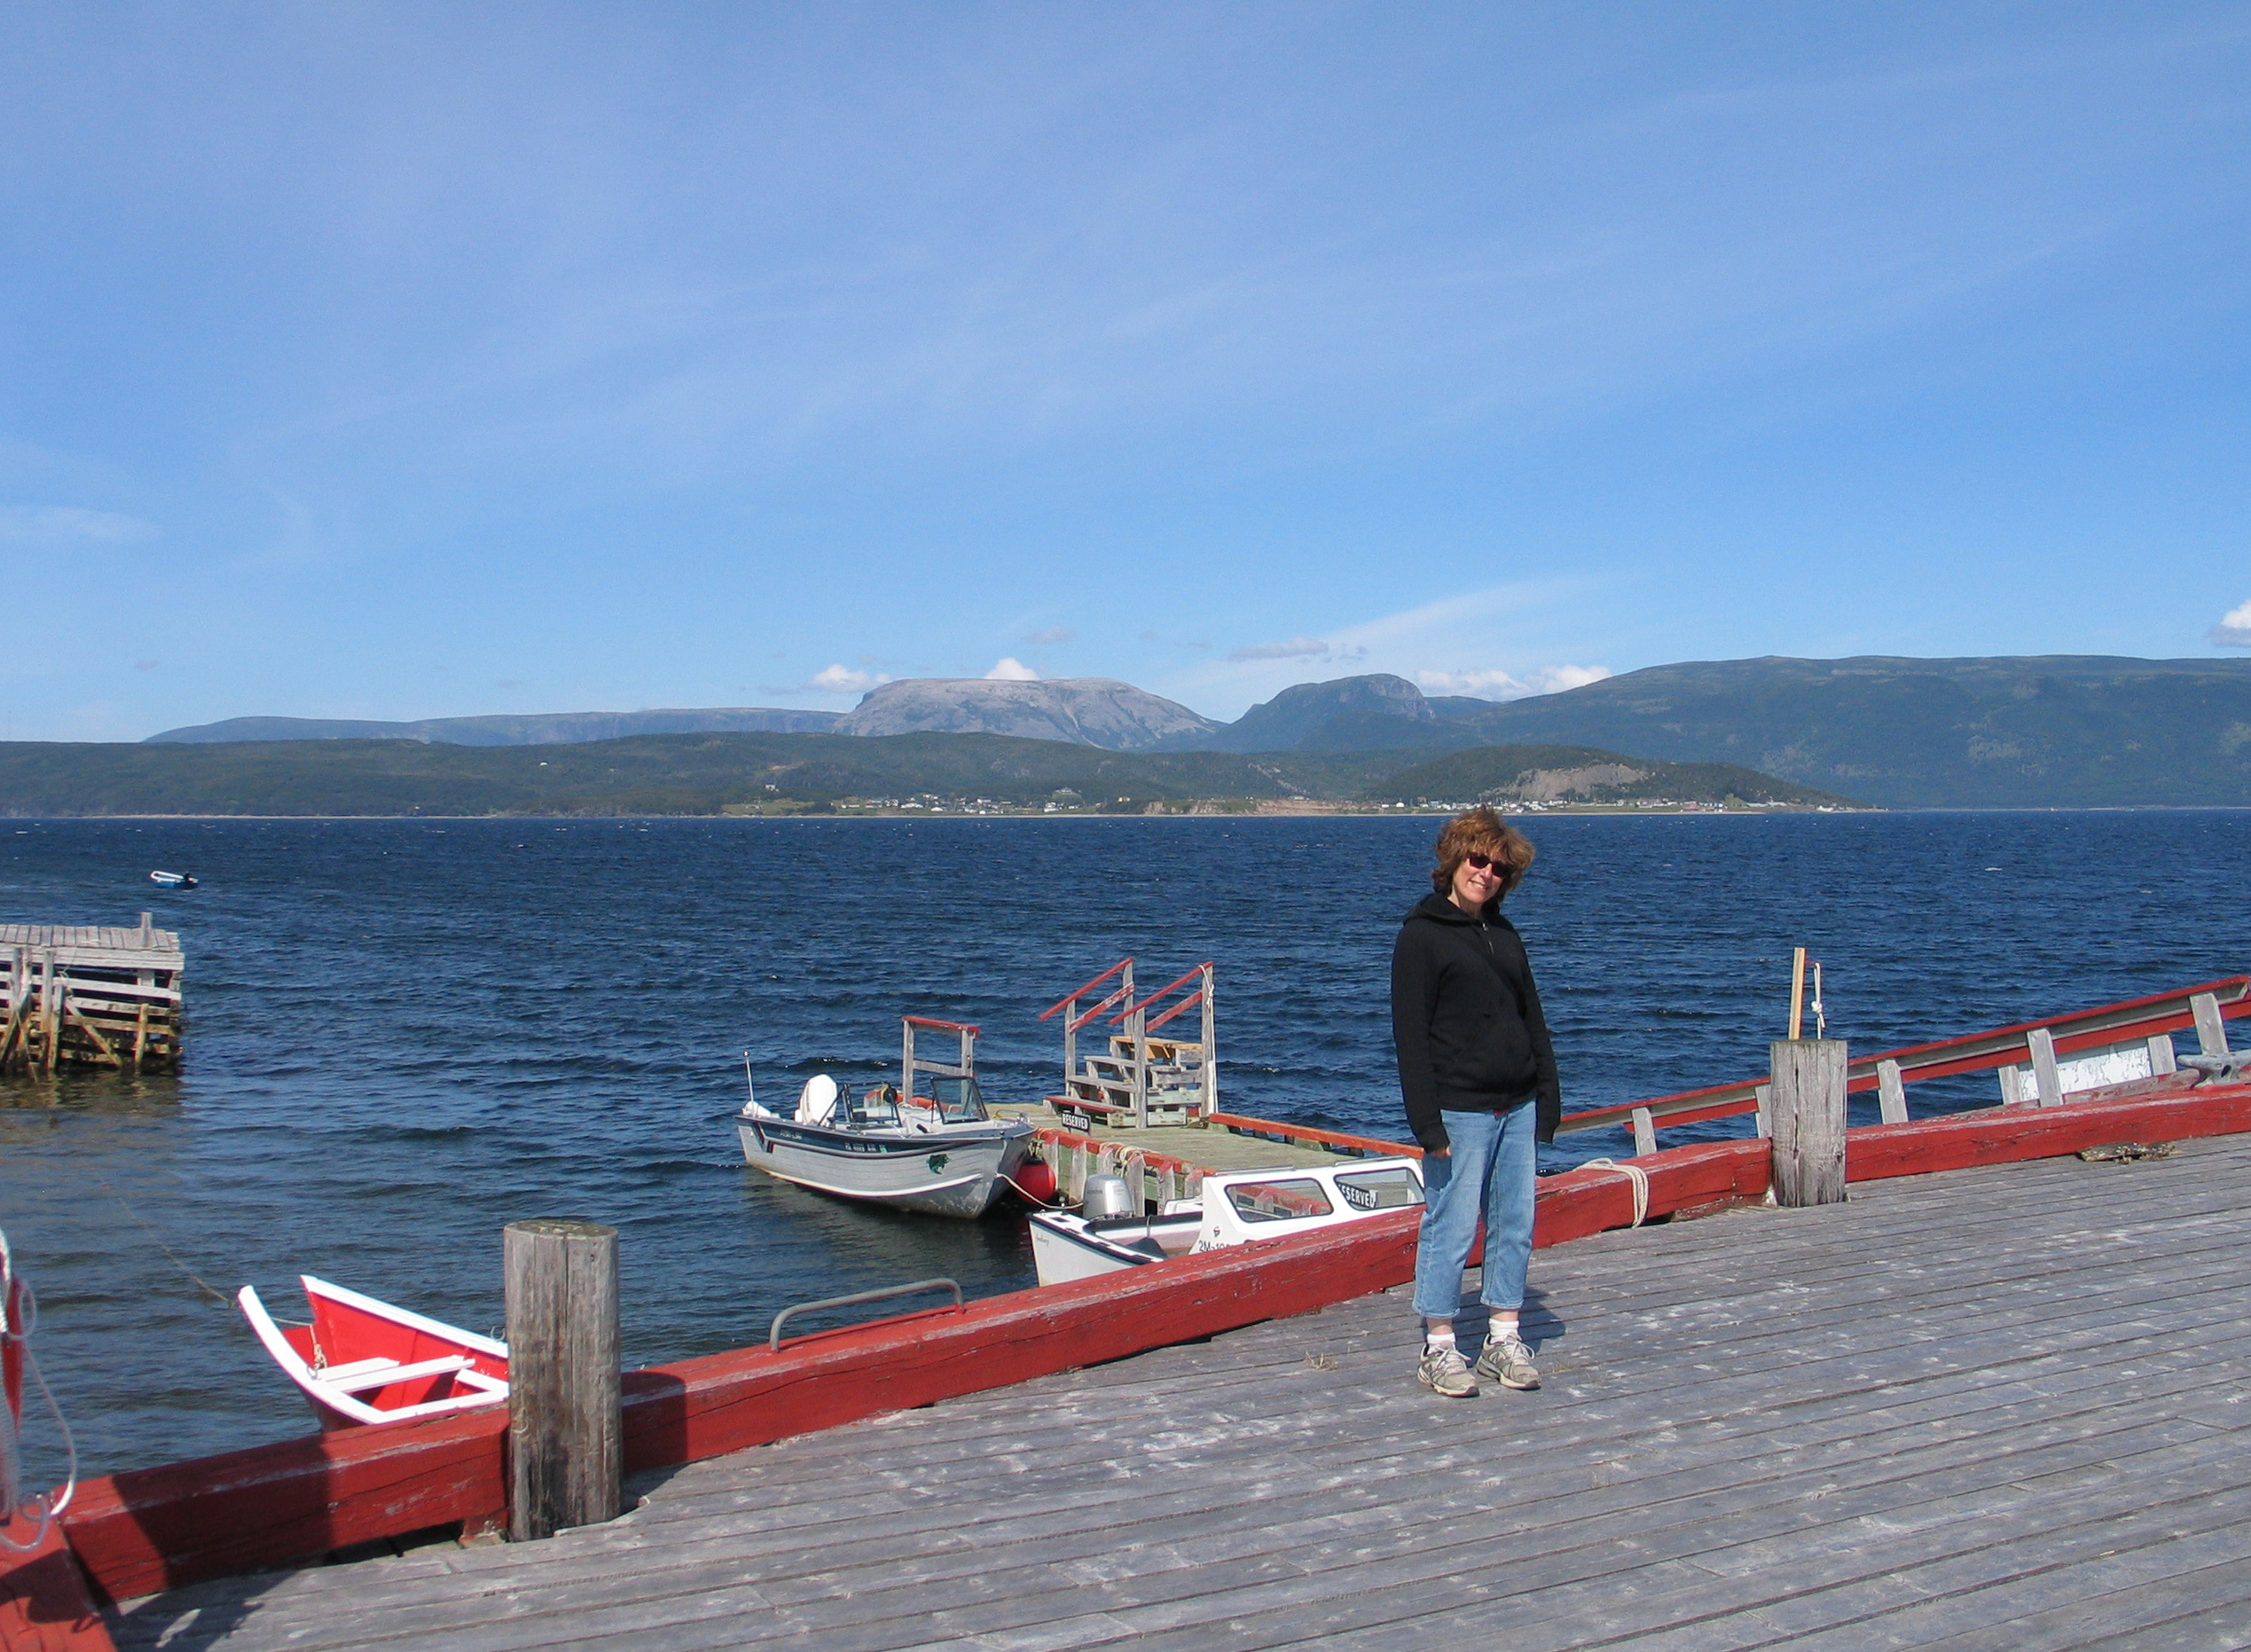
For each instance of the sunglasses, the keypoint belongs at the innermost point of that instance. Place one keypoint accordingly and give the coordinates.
(1485, 863)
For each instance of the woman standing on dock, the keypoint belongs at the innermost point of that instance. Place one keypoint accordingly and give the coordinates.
(1478, 1073)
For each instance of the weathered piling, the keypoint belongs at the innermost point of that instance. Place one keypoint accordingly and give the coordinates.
(565, 1453)
(88, 995)
(1807, 1115)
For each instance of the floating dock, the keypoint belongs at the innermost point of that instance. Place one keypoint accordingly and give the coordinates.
(89, 995)
(1997, 1407)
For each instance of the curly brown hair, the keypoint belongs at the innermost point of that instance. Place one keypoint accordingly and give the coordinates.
(1481, 831)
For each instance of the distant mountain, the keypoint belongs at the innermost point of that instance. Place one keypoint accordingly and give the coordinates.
(1372, 713)
(2047, 731)
(556, 728)
(1084, 710)
(1583, 774)
(2031, 732)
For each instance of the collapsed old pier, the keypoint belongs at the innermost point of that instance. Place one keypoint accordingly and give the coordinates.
(88, 995)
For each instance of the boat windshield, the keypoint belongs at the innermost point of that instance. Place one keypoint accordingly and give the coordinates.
(958, 1100)
(1387, 1189)
(1278, 1200)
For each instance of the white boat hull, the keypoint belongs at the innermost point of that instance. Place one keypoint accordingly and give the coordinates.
(953, 1169)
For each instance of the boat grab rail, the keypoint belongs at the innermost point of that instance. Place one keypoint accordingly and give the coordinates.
(773, 1331)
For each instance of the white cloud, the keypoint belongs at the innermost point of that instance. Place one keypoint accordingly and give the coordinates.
(1546, 679)
(2234, 629)
(1053, 636)
(65, 524)
(842, 679)
(1011, 670)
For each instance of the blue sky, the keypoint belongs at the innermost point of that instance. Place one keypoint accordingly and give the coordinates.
(406, 360)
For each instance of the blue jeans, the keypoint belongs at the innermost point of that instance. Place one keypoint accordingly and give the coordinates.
(1492, 1171)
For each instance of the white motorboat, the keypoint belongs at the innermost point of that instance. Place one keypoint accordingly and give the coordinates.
(1234, 1208)
(939, 1153)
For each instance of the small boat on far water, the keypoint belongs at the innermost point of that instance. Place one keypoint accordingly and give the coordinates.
(941, 1153)
(171, 879)
(363, 1361)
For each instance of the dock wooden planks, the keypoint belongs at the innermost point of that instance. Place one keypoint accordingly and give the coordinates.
(89, 995)
(1993, 1407)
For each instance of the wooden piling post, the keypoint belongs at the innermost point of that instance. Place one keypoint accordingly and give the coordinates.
(566, 1458)
(1805, 1114)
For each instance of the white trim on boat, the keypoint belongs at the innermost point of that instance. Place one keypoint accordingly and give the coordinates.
(400, 1316)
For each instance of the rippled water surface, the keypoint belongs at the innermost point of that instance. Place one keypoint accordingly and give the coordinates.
(405, 1034)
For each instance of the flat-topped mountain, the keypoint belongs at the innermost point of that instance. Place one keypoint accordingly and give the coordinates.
(544, 728)
(1084, 710)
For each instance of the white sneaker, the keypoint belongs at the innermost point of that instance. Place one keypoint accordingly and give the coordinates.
(1444, 1371)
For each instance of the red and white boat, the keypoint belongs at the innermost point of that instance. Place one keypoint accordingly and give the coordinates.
(362, 1360)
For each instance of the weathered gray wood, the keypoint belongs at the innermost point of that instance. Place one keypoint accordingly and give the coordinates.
(1807, 1116)
(1644, 1131)
(2047, 1084)
(2211, 1029)
(1891, 1093)
(1762, 1120)
(2161, 1059)
(566, 1458)
(1957, 1404)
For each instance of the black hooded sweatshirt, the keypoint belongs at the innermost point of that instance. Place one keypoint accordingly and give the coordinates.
(1466, 1020)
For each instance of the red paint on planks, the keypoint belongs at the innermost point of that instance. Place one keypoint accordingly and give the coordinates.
(45, 1603)
(2008, 1134)
(156, 1528)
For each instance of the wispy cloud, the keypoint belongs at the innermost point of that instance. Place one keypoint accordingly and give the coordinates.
(1494, 685)
(1296, 648)
(2234, 629)
(1053, 637)
(68, 524)
(1011, 669)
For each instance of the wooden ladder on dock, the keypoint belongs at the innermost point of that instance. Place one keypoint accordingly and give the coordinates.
(1139, 1079)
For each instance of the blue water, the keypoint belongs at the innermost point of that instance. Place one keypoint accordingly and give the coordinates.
(405, 1034)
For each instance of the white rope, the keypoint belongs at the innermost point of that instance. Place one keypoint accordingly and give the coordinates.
(47, 1508)
(1632, 1173)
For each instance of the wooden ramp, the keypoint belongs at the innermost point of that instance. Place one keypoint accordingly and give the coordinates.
(1998, 1408)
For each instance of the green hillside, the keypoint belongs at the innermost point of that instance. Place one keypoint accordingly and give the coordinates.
(1586, 774)
(644, 774)
(713, 773)
(2037, 731)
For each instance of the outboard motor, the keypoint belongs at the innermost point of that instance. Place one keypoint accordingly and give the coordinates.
(816, 1102)
(1108, 1196)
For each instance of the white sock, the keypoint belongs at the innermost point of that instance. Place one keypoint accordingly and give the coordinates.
(1500, 1334)
(1438, 1342)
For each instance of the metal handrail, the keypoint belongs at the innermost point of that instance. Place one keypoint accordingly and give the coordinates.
(773, 1331)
